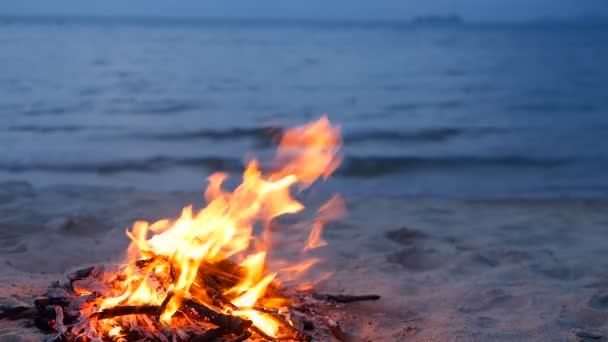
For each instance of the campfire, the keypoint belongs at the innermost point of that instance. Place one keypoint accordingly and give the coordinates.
(205, 275)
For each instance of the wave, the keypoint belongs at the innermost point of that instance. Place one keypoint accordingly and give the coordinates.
(353, 166)
(45, 129)
(551, 107)
(371, 166)
(271, 134)
(264, 136)
(409, 106)
(421, 135)
(153, 164)
(56, 129)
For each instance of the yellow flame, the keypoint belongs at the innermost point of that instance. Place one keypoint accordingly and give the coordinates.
(224, 228)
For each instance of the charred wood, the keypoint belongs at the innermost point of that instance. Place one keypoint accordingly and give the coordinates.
(233, 324)
(42, 302)
(123, 310)
(19, 312)
(81, 274)
(344, 298)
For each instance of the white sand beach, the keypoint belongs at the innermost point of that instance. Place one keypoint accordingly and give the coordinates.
(447, 270)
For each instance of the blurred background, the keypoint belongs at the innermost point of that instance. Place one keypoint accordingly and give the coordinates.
(466, 99)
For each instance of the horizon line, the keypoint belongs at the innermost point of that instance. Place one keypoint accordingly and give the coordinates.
(447, 19)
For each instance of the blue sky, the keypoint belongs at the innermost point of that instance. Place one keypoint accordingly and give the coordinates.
(324, 9)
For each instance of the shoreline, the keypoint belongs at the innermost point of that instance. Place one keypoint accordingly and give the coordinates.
(449, 270)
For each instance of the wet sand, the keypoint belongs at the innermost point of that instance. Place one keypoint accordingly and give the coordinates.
(447, 270)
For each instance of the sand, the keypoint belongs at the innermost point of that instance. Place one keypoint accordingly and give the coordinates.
(448, 270)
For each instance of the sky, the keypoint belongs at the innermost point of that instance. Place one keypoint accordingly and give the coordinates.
(480, 10)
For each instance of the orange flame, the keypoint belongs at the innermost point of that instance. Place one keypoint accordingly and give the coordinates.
(225, 229)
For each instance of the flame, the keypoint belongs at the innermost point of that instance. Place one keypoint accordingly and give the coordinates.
(224, 228)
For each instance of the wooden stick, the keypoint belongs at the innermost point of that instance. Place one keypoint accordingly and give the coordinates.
(81, 274)
(59, 325)
(233, 324)
(215, 291)
(19, 312)
(123, 310)
(45, 301)
(344, 298)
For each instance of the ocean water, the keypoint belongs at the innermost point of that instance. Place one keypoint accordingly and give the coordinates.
(468, 111)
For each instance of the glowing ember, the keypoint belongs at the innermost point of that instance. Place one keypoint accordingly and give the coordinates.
(171, 262)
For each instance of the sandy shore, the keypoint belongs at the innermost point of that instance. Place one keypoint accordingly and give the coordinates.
(447, 270)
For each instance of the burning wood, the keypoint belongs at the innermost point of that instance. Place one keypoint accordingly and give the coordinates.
(180, 283)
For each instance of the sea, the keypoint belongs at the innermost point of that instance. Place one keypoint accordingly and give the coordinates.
(470, 110)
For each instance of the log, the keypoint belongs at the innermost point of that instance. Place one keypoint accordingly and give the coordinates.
(226, 272)
(232, 324)
(57, 292)
(19, 312)
(81, 274)
(42, 302)
(45, 319)
(344, 298)
(215, 291)
(123, 310)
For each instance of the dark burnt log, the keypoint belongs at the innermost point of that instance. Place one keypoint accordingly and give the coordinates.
(225, 272)
(19, 312)
(45, 319)
(215, 291)
(81, 274)
(42, 302)
(123, 310)
(57, 292)
(209, 335)
(85, 273)
(344, 298)
(232, 324)
(241, 338)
